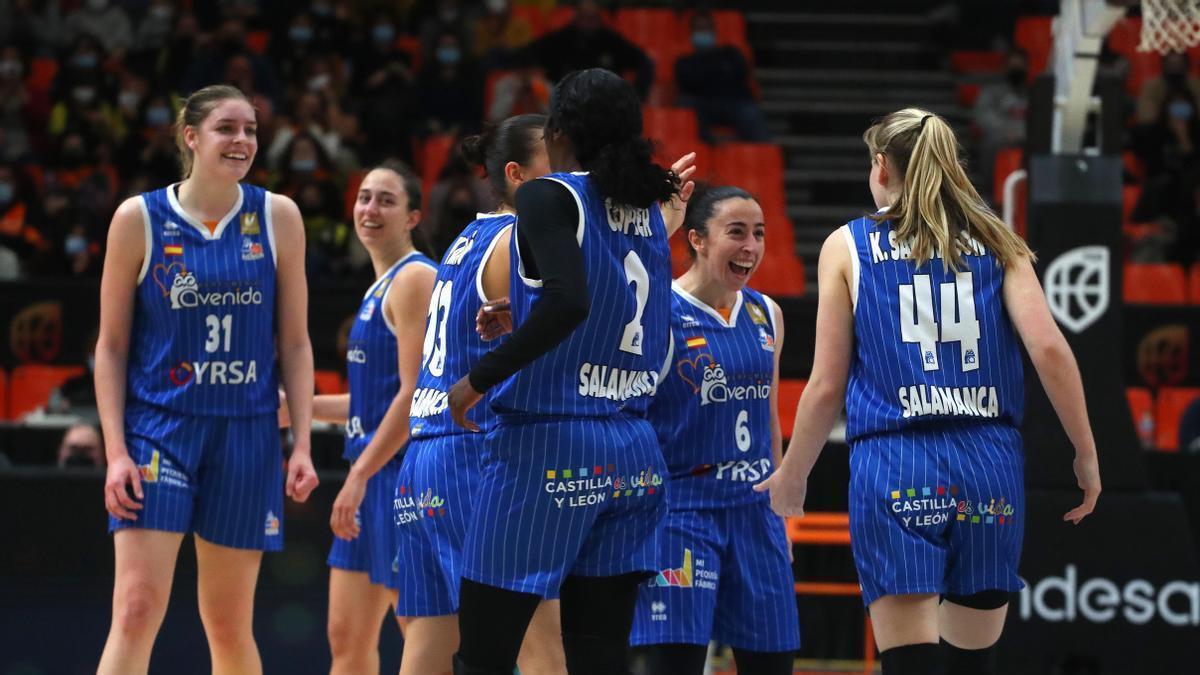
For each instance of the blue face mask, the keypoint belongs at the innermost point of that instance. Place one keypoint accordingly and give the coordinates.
(304, 165)
(85, 61)
(7, 191)
(158, 116)
(383, 33)
(703, 39)
(448, 55)
(75, 244)
(300, 33)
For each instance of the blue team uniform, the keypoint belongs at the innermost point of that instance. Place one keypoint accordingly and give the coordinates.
(201, 392)
(373, 372)
(572, 475)
(728, 576)
(933, 405)
(435, 491)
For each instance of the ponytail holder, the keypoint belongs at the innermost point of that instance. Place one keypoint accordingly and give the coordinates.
(923, 120)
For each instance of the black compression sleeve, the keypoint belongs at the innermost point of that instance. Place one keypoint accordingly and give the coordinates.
(546, 238)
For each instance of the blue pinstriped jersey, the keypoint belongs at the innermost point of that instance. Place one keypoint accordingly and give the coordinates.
(203, 335)
(611, 362)
(712, 412)
(932, 346)
(372, 362)
(452, 347)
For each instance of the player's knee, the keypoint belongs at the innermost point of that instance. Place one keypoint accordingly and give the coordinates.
(228, 634)
(344, 638)
(139, 611)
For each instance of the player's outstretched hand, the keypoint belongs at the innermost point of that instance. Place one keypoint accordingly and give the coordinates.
(285, 420)
(349, 498)
(494, 319)
(1087, 473)
(301, 477)
(123, 479)
(461, 398)
(674, 210)
(787, 494)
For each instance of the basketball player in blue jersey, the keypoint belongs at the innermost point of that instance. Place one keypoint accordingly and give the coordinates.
(572, 476)
(920, 311)
(382, 359)
(436, 491)
(729, 575)
(202, 280)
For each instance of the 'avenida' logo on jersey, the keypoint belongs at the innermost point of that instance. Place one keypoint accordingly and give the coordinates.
(185, 294)
(1077, 286)
(707, 378)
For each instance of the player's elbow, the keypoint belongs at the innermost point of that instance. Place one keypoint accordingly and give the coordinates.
(1051, 353)
(824, 394)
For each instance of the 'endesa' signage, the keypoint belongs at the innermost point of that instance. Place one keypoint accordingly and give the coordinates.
(1119, 593)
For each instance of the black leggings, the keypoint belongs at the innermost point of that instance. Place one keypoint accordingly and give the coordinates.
(685, 659)
(597, 614)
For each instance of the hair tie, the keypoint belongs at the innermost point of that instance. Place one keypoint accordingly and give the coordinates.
(923, 120)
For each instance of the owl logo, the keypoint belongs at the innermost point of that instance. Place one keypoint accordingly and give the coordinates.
(714, 376)
(969, 357)
(929, 358)
(183, 290)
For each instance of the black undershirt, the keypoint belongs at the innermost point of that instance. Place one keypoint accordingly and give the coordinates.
(546, 239)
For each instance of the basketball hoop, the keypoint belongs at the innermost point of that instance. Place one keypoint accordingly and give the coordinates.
(1170, 25)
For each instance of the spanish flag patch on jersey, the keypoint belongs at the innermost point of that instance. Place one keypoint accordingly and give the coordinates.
(173, 249)
(697, 342)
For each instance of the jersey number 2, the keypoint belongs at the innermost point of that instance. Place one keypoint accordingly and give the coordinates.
(636, 274)
(917, 323)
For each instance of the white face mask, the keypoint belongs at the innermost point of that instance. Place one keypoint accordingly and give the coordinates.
(97, 5)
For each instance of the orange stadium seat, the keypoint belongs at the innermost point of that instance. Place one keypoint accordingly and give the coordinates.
(1194, 284)
(329, 382)
(3, 394)
(1008, 160)
(1155, 284)
(1172, 402)
(756, 167)
(789, 397)
(977, 62)
(1125, 35)
(674, 131)
(41, 74)
(781, 273)
(258, 41)
(1141, 408)
(561, 16)
(1130, 194)
(1142, 66)
(30, 386)
(967, 94)
(659, 33)
(533, 15)
(434, 152)
(353, 180)
(1034, 35)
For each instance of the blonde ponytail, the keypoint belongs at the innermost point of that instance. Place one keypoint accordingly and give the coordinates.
(938, 211)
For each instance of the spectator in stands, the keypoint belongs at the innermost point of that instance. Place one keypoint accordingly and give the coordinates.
(84, 94)
(714, 80)
(1000, 112)
(20, 236)
(454, 201)
(294, 44)
(587, 43)
(447, 16)
(1166, 134)
(35, 26)
(150, 148)
(212, 65)
(77, 395)
(105, 21)
(81, 446)
(14, 102)
(154, 30)
(383, 87)
(317, 115)
(1189, 429)
(524, 90)
(327, 232)
(450, 90)
(498, 34)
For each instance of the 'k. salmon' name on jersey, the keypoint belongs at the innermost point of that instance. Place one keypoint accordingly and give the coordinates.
(372, 362)
(932, 345)
(452, 347)
(712, 413)
(203, 334)
(612, 361)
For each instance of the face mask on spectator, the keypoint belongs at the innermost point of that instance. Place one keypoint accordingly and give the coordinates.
(304, 165)
(703, 39)
(1017, 76)
(1180, 110)
(75, 244)
(496, 6)
(161, 12)
(157, 116)
(84, 94)
(84, 61)
(7, 192)
(318, 82)
(128, 100)
(448, 55)
(383, 33)
(10, 68)
(97, 5)
(300, 33)
(321, 8)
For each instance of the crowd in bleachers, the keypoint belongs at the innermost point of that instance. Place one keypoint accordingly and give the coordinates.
(89, 92)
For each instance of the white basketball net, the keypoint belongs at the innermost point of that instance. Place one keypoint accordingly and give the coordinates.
(1170, 25)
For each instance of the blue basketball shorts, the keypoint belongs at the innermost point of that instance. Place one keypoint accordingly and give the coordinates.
(937, 510)
(728, 578)
(561, 497)
(432, 506)
(373, 551)
(219, 477)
